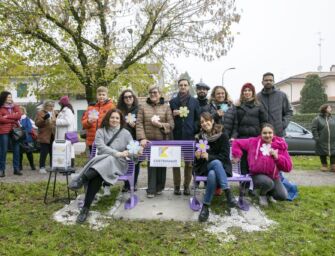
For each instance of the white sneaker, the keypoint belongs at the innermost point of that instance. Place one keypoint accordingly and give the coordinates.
(42, 171)
(107, 190)
(263, 201)
(272, 200)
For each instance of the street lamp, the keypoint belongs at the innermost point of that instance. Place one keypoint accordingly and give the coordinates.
(224, 73)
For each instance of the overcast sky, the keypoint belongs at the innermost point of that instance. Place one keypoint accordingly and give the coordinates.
(280, 36)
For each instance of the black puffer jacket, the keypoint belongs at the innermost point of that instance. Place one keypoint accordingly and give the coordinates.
(132, 130)
(228, 120)
(250, 116)
(218, 150)
(278, 109)
(323, 129)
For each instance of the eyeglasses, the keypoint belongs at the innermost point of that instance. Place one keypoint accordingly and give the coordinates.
(128, 97)
(153, 92)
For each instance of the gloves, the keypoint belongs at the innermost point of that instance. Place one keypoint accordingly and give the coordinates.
(47, 115)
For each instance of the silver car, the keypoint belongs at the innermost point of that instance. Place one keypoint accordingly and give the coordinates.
(300, 140)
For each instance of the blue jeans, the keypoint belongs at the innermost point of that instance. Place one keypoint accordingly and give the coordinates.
(216, 175)
(4, 139)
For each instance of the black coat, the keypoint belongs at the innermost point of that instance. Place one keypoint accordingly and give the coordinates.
(323, 129)
(132, 130)
(228, 120)
(219, 150)
(186, 128)
(278, 109)
(249, 119)
(204, 105)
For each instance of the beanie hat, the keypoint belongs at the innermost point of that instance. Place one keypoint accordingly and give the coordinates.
(64, 101)
(250, 86)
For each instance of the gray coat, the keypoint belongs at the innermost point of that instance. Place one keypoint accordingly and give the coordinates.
(323, 129)
(106, 163)
(278, 109)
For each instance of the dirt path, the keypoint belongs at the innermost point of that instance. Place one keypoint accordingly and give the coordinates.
(304, 178)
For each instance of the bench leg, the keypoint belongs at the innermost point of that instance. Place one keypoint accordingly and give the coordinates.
(133, 200)
(47, 188)
(242, 203)
(195, 204)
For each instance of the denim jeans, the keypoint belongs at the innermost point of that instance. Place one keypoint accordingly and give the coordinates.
(4, 139)
(216, 176)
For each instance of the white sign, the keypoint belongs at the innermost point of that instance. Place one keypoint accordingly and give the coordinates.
(165, 156)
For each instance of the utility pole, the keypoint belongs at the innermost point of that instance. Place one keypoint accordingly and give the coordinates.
(320, 47)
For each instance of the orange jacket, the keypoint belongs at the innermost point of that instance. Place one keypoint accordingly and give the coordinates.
(91, 128)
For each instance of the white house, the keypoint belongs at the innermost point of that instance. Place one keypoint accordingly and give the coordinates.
(294, 84)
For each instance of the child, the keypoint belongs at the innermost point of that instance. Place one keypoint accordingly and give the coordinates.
(267, 156)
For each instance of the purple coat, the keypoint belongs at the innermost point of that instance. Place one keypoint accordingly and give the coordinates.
(259, 161)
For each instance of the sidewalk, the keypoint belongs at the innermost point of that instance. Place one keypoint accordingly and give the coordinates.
(301, 178)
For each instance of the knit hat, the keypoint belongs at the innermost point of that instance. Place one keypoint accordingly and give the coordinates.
(64, 101)
(250, 86)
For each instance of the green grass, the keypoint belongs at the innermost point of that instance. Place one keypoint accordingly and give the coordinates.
(305, 227)
(308, 163)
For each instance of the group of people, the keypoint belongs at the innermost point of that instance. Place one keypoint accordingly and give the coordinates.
(250, 126)
(50, 124)
(250, 131)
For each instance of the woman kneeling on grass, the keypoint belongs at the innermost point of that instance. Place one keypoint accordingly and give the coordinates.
(215, 164)
(267, 156)
(111, 141)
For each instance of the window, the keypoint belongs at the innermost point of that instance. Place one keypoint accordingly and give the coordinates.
(22, 90)
(294, 128)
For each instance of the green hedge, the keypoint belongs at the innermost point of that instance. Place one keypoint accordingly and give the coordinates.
(304, 119)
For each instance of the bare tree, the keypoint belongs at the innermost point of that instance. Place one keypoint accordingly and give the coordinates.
(99, 39)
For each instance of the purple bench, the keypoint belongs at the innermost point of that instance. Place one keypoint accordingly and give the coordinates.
(196, 205)
(128, 176)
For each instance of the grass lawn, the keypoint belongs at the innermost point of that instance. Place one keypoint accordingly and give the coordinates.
(306, 227)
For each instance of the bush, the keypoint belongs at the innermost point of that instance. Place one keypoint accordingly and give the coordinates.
(304, 120)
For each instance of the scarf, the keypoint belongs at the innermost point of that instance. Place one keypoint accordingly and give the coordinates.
(203, 102)
(183, 98)
(210, 138)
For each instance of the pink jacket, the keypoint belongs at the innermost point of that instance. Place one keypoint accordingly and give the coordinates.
(261, 163)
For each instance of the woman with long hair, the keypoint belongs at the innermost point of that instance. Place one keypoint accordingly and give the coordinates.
(111, 141)
(10, 115)
(128, 104)
(223, 110)
(214, 163)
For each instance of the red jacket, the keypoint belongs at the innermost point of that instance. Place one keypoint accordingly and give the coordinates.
(9, 118)
(261, 163)
(91, 128)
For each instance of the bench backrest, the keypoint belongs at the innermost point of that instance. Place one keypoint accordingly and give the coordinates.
(187, 148)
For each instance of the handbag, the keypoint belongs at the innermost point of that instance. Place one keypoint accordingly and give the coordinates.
(27, 146)
(18, 133)
(72, 136)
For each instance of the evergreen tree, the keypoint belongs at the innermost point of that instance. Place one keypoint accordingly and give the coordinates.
(312, 95)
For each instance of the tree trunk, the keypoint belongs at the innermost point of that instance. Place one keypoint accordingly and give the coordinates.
(90, 91)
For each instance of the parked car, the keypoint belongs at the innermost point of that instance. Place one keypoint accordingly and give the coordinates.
(299, 140)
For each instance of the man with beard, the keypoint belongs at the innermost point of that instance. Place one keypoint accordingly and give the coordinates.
(276, 105)
(202, 90)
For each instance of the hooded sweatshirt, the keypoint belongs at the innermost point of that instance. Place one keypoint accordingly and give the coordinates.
(259, 159)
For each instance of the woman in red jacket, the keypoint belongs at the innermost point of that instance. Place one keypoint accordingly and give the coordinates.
(267, 155)
(10, 116)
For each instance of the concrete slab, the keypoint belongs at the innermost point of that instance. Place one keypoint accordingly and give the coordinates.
(166, 206)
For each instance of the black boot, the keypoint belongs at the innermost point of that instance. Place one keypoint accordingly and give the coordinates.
(82, 215)
(2, 173)
(204, 214)
(177, 191)
(231, 201)
(17, 172)
(187, 191)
